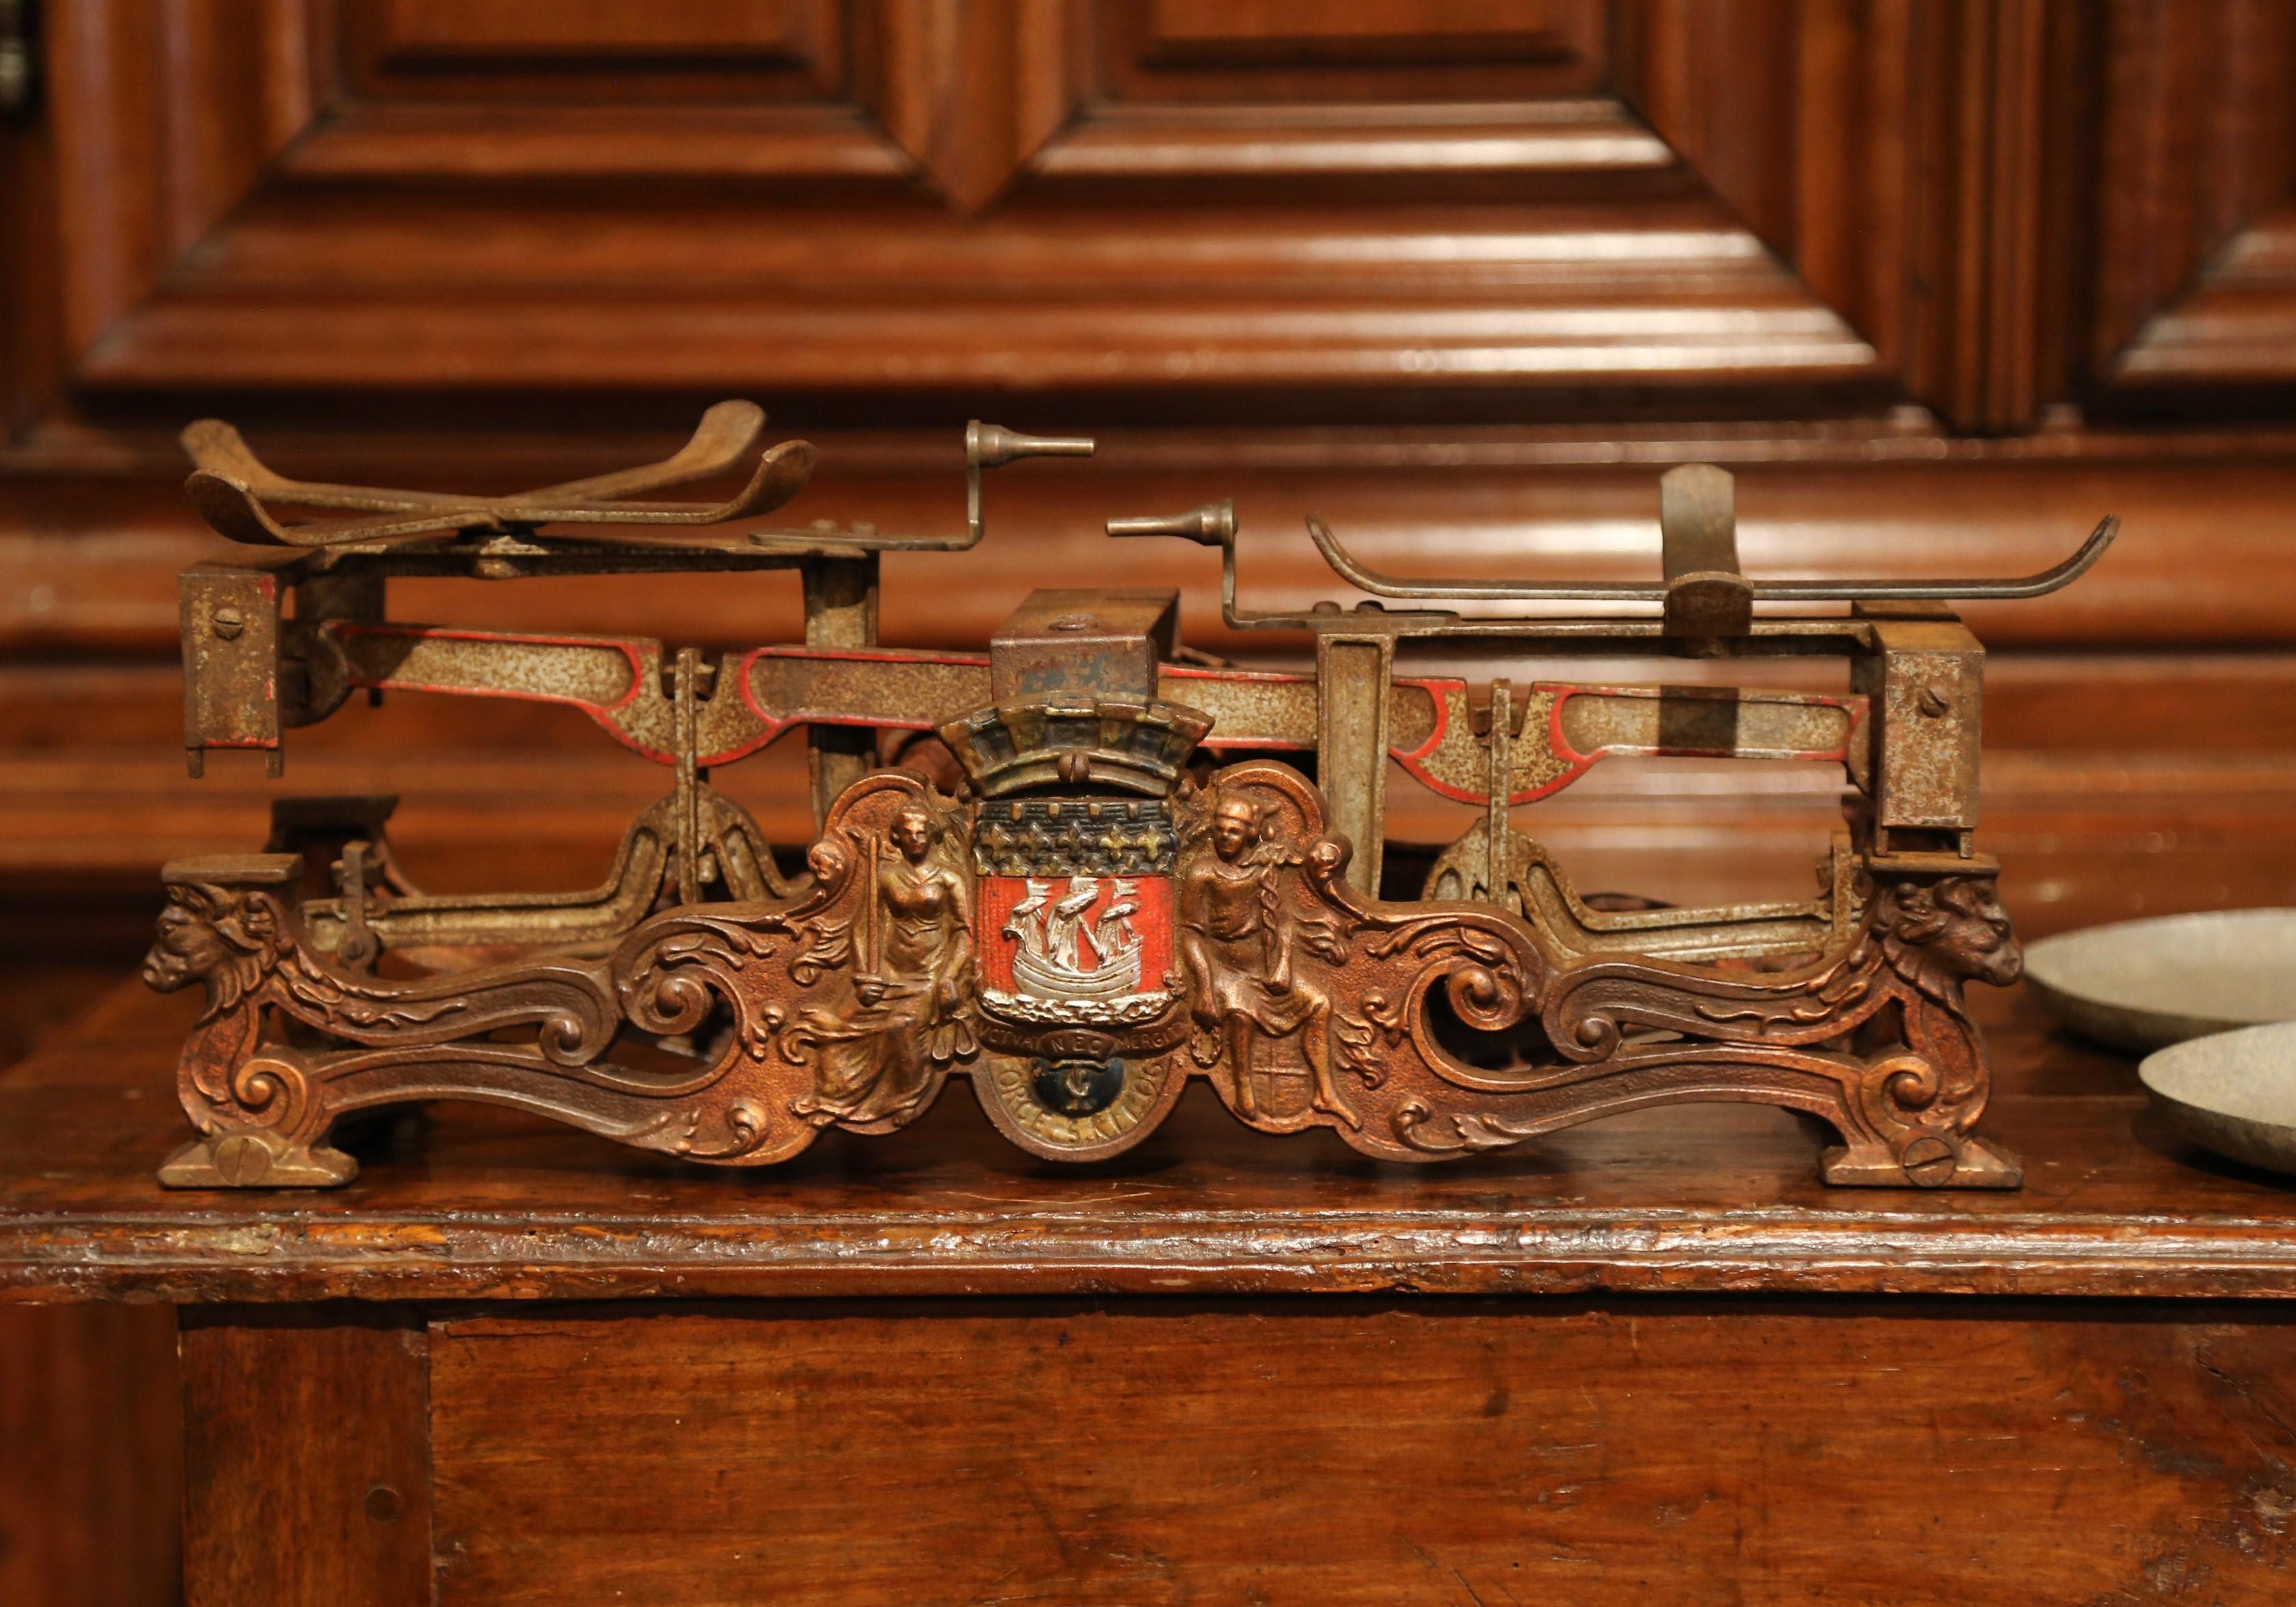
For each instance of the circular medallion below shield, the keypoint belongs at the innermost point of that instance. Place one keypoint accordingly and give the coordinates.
(1078, 1108)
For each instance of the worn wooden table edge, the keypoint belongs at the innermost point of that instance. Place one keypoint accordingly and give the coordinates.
(288, 1257)
(81, 1219)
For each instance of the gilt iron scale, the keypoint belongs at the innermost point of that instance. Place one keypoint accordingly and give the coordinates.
(1080, 869)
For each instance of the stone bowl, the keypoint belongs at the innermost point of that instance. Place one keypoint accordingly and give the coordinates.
(2235, 1093)
(2143, 985)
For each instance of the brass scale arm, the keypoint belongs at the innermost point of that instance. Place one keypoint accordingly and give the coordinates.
(1705, 602)
(405, 532)
(1703, 593)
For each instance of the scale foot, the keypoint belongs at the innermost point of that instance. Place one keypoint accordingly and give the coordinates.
(1928, 1162)
(250, 1160)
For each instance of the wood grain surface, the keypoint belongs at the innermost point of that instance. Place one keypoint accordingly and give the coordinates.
(91, 1481)
(91, 1460)
(307, 1440)
(1343, 1452)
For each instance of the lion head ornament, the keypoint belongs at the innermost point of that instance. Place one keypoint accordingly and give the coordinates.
(1938, 935)
(229, 938)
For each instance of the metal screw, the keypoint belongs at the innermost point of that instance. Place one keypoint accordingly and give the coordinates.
(1931, 702)
(241, 1159)
(225, 623)
(1929, 1161)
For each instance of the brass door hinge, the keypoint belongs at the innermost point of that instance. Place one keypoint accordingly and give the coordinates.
(17, 69)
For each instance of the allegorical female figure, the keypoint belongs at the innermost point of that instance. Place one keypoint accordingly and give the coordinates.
(912, 988)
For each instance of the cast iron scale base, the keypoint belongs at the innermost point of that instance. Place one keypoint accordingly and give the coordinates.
(1084, 880)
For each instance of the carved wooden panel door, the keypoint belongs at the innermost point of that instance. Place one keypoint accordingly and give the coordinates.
(1391, 208)
(2196, 283)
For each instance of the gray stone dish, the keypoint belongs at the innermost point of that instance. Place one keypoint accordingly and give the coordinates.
(2235, 1093)
(2144, 985)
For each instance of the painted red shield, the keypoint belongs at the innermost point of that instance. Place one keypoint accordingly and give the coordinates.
(1076, 948)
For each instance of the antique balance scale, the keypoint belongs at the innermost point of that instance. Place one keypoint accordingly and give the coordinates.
(1125, 891)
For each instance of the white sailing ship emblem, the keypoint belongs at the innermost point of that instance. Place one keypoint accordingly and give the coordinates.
(1065, 950)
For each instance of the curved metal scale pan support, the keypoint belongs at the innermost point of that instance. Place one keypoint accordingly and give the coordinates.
(233, 489)
(2056, 577)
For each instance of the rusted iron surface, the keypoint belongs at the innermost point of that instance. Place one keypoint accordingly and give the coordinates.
(1074, 903)
(1706, 596)
(1926, 686)
(236, 493)
(231, 628)
(1095, 644)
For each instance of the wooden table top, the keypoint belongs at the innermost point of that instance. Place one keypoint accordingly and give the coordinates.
(483, 1204)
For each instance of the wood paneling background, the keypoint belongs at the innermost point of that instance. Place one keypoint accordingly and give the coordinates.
(1942, 280)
